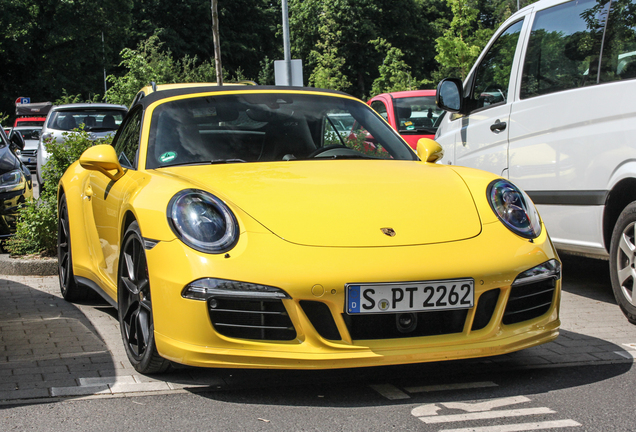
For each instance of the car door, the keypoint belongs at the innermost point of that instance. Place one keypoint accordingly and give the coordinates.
(481, 136)
(107, 197)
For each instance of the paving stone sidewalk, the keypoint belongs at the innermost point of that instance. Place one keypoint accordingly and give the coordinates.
(52, 348)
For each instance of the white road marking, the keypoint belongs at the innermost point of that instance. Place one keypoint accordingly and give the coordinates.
(519, 427)
(486, 415)
(626, 354)
(390, 391)
(487, 405)
(457, 386)
(631, 345)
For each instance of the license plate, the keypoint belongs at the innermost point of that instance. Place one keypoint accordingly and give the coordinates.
(410, 297)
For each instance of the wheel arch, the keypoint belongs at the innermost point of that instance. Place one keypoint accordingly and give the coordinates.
(620, 196)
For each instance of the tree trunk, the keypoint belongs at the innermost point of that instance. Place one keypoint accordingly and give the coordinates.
(217, 43)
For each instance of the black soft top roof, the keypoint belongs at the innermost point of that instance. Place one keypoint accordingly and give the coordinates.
(162, 94)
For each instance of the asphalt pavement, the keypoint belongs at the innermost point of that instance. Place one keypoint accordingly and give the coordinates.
(51, 349)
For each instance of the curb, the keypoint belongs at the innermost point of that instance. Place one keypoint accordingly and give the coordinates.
(27, 266)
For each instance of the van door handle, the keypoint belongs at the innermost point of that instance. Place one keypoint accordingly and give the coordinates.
(498, 126)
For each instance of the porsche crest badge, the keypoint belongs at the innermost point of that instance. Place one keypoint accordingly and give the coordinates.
(388, 231)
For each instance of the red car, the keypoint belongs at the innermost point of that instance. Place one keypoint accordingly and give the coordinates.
(413, 113)
(29, 121)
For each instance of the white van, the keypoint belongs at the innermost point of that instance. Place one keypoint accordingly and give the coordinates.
(551, 105)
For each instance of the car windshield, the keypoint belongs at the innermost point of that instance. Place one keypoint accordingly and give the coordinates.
(30, 123)
(96, 120)
(417, 114)
(263, 127)
(30, 134)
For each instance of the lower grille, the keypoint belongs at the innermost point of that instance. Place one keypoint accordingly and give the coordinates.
(485, 308)
(321, 318)
(251, 319)
(384, 326)
(529, 301)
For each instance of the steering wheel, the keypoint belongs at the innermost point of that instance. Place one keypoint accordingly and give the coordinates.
(320, 150)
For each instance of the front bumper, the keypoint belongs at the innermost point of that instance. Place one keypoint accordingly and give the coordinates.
(185, 333)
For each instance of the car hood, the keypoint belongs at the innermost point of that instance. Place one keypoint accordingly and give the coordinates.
(345, 203)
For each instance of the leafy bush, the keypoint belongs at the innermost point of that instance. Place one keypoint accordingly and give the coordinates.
(36, 229)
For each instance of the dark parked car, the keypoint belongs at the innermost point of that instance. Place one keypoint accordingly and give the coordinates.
(16, 186)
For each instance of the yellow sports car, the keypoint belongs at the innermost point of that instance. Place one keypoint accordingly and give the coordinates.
(235, 226)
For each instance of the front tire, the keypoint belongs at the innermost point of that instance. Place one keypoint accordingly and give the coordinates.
(623, 261)
(135, 305)
(71, 291)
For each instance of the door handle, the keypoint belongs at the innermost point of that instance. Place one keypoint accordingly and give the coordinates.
(88, 192)
(498, 126)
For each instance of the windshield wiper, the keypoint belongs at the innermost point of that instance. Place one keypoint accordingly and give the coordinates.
(222, 161)
(211, 162)
(420, 129)
(341, 156)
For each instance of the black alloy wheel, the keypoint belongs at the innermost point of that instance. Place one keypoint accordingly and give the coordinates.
(71, 291)
(135, 305)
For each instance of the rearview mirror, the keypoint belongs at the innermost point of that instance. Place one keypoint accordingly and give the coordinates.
(449, 95)
(102, 158)
(17, 140)
(429, 150)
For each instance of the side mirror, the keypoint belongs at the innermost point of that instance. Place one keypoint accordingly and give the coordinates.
(429, 150)
(17, 140)
(449, 96)
(102, 158)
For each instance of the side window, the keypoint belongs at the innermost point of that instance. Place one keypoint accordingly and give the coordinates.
(564, 48)
(127, 143)
(380, 108)
(618, 60)
(492, 76)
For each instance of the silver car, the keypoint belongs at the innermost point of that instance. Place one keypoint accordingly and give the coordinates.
(98, 119)
(31, 136)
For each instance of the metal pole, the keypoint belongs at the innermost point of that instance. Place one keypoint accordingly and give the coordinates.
(104, 63)
(217, 44)
(286, 44)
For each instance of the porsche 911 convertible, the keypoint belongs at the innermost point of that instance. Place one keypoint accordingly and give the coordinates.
(234, 226)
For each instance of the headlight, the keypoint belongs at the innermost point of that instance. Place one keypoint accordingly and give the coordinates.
(514, 208)
(12, 181)
(202, 221)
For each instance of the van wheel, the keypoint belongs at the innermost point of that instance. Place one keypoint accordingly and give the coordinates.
(623, 261)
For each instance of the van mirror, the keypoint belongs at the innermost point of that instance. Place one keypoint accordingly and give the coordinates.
(449, 95)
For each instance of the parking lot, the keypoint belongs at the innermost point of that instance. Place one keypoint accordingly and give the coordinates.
(50, 348)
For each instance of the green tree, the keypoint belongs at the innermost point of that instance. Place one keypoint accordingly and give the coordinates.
(50, 45)
(151, 63)
(328, 72)
(395, 74)
(461, 43)
(409, 25)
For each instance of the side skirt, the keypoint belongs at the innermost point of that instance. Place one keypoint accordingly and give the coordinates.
(92, 285)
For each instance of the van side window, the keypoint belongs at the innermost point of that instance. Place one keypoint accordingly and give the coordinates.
(564, 48)
(619, 50)
(492, 76)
